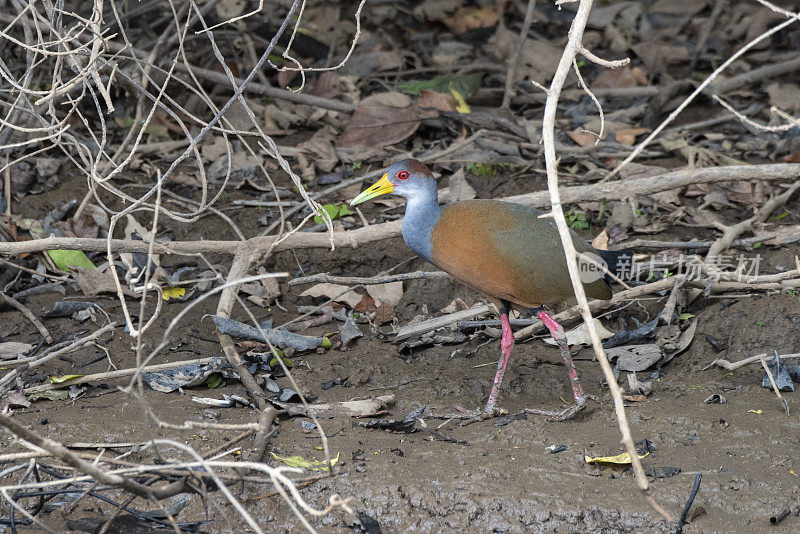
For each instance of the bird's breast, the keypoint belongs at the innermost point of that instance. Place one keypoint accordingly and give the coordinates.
(463, 245)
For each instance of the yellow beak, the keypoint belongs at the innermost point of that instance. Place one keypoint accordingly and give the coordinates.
(381, 187)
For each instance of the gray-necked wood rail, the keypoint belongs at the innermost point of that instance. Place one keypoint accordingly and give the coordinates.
(504, 250)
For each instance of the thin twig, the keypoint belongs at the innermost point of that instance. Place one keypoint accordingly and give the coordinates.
(772, 381)
(28, 315)
(689, 501)
(572, 47)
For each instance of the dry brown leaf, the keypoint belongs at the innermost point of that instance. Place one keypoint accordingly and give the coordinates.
(336, 292)
(627, 136)
(432, 100)
(784, 96)
(381, 120)
(620, 77)
(320, 146)
(436, 9)
(11, 350)
(539, 56)
(273, 289)
(678, 7)
(472, 18)
(458, 188)
(791, 158)
(384, 314)
(582, 139)
(600, 242)
(93, 282)
(657, 56)
(390, 293)
(326, 85)
(787, 234)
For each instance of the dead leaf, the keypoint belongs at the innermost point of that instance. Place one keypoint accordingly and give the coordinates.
(326, 85)
(582, 139)
(14, 398)
(11, 350)
(320, 146)
(384, 314)
(455, 306)
(472, 18)
(784, 96)
(657, 56)
(600, 242)
(382, 119)
(627, 136)
(787, 234)
(390, 293)
(271, 285)
(678, 7)
(580, 335)
(214, 149)
(458, 189)
(433, 100)
(620, 77)
(635, 357)
(791, 158)
(435, 10)
(93, 282)
(337, 292)
(91, 220)
(539, 56)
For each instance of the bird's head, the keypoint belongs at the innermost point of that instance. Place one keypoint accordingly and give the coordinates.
(408, 178)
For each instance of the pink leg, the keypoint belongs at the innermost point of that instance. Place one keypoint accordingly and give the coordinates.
(557, 331)
(506, 345)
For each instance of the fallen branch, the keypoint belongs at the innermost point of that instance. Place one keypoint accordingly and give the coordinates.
(14, 303)
(11, 375)
(369, 280)
(616, 190)
(774, 385)
(728, 366)
(110, 375)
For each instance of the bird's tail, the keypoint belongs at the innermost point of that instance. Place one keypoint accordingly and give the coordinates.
(619, 262)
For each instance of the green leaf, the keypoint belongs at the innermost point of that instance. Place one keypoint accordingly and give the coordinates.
(63, 378)
(757, 245)
(299, 461)
(334, 211)
(465, 84)
(326, 343)
(685, 316)
(64, 259)
(215, 381)
(52, 394)
(782, 215)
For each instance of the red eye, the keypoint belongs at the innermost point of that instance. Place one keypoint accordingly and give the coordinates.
(402, 175)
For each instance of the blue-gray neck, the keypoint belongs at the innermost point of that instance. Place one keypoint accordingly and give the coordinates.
(422, 214)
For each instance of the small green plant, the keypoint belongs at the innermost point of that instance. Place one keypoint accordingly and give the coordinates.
(782, 215)
(486, 170)
(334, 211)
(215, 381)
(757, 245)
(357, 165)
(685, 316)
(576, 221)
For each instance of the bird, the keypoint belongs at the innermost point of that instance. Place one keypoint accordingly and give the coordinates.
(510, 252)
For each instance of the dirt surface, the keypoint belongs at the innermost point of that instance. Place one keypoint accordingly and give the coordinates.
(425, 79)
(495, 475)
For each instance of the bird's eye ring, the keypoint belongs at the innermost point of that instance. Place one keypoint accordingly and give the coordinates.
(402, 175)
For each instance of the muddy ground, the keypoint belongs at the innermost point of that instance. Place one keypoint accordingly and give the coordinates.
(498, 477)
